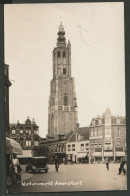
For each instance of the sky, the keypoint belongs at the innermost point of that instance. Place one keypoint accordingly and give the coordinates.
(96, 34)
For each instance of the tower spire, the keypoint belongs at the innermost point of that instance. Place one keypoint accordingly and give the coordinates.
(61, 39)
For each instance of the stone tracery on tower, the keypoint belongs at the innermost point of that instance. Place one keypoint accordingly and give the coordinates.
(62, 109)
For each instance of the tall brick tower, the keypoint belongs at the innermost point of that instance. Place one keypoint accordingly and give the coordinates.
(62, 110)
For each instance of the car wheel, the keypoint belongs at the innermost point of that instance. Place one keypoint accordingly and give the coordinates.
(46, 170)
(26, 169)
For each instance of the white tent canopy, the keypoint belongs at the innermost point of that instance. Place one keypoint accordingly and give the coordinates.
(13, 147)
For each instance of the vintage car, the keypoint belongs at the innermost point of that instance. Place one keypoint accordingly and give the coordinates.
(36, 164)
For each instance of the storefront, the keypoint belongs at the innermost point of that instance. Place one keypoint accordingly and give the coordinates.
(119, 156)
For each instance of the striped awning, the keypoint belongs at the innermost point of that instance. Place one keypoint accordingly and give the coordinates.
(13, 147)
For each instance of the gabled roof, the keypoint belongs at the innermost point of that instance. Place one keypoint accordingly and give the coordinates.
(83, 133)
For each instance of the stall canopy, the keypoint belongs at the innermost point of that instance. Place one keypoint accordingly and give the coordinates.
(13, 147)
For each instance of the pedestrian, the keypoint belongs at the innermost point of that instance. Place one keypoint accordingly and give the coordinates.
(15, 168)
(65, 161)
(56, 163)
(107, 163)
(121, 168)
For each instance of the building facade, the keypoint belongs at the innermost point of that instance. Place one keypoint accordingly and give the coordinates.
(27, 135)
(7, 85)
(107, 135)
(52, 146)
(78, 146)
(62, 110)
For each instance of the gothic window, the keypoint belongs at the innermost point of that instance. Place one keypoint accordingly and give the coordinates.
(64, 54)
(64, 57)
(64, 71)
(65, 99)
(58, 57)
(58, 54)
(52, 124)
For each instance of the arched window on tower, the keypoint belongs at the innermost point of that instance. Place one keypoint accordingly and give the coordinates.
(64, 57)
(64, 54)
(58, 57)
(64, 69)
(58, 54)
(52, 124)
(65, 99)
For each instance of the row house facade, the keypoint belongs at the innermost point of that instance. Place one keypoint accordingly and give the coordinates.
(78, 146)
(52, 146)
(107, 136)
(104, 138)
(27, 135)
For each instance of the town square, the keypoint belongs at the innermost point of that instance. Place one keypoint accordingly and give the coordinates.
(73, 177)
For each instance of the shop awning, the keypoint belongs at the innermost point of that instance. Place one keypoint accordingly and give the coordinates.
(120, 154)
(108, 154)
(81, 155)
(13, 147)
(97, 154)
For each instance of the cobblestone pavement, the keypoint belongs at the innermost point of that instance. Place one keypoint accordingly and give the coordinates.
(77, 177)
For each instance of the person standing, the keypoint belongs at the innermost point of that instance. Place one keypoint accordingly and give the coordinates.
(123, 162)
(56, 163)
(107, 163)
(16, 168)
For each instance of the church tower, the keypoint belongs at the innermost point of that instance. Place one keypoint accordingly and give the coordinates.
(62, 110)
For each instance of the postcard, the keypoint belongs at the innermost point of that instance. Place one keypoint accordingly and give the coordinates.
(65, 97)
